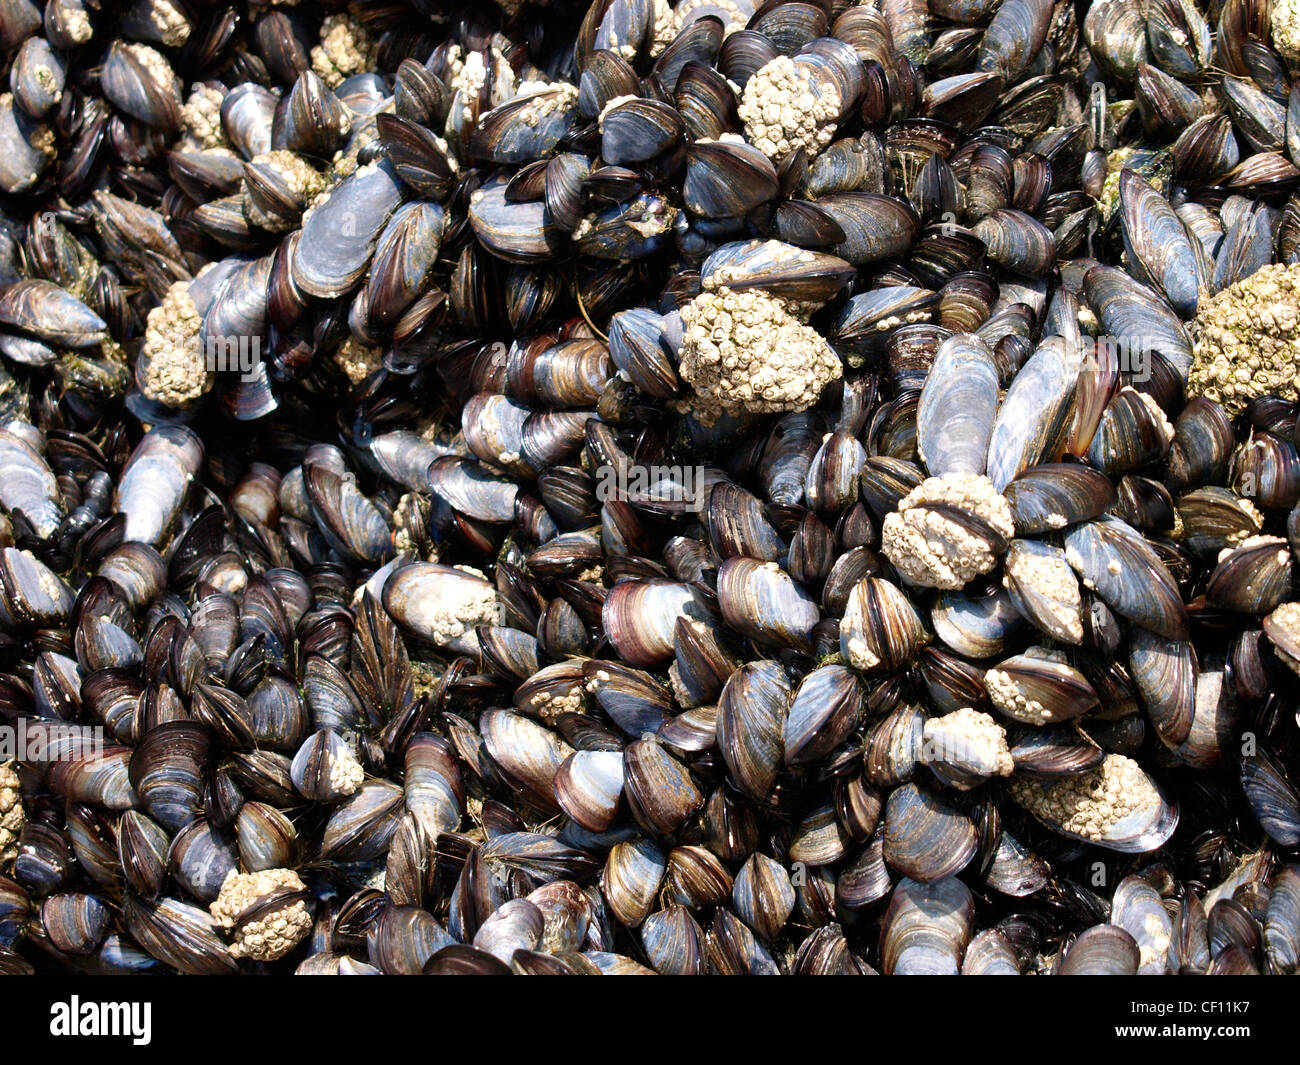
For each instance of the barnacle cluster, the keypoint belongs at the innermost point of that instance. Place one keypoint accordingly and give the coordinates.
(201, 115)
(945, 531)
(175, 371)
(1089, 804)
(1053, 578)
(171, 23)
(1285, 18)
(12, 817)
(787, 106)
(260, 928)
(346, 47)
(1248, 340)
(1009, 697)
(971, 739)
(745, 351)
(461, 606)
(299, 179)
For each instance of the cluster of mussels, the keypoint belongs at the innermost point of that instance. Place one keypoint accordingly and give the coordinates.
(786, 487)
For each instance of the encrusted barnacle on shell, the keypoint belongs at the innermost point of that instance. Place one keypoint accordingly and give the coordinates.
(745, 351)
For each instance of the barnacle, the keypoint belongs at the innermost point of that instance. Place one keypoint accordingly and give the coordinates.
(201, 116)
(665, 27)
(788, 105)
(173, 369)
(299, 177)
(1115, 162)
(357, 360)
(1246, 340)
(346, 48)
(1009, 696)
(731, 14)
(970, 739)
(1054, 581)
(155, 65)
(457, 608)
(1283, 629)
(346, 773)
(543, 98)
(945, 531)
(745, 351)
(12, 818)
(784, 647)
(170, 21)
(1285, 17)
(1092, 803)
(263, 936)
